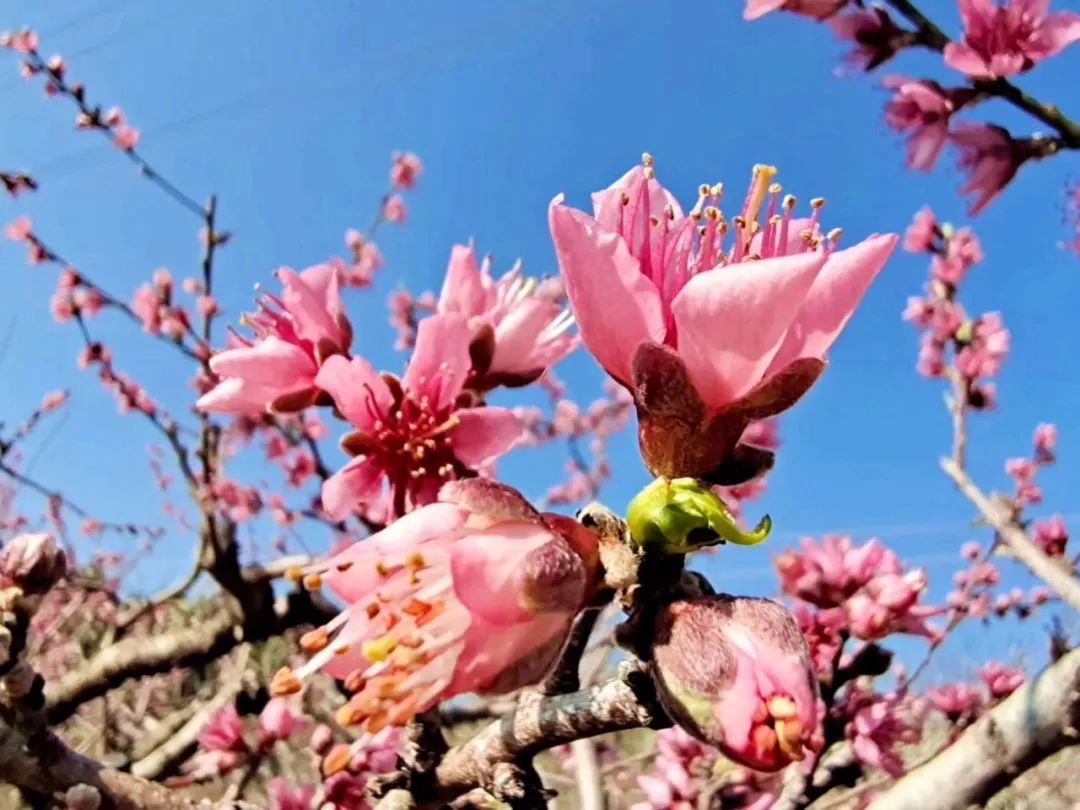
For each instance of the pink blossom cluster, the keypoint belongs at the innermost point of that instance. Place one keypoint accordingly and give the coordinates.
(978, 345)
(999, 40)
(973, 593)
(678, 773)
(1022, 469)
(879, 726)
(153, 304)
(864, 589)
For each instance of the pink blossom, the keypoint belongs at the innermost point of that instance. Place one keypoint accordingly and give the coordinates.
(284, 796)
(19, 229)
(405, 170)
(957, 701)
(278, 721)
(889, 604)
(1045, 440)
(393, 209)
(91, 526)
(473, 593)
(990, 156)
(413, 433)
(293, 336)
(821, 629)
(923, 232)
(970, 550)
(224, 731)
(880, 726)
(520, 328)
(987, 349)
(818, 9)
(24, 40)
(125, 137)
(1000, 679)
(922, 109)
(828, 573)
(379, 753)
(1000, 40)
(665, 308)
(877, 38)
(53, 400)
(146, 303)
(1051, 535)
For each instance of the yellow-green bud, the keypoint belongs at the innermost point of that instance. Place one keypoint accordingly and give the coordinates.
(679, 515)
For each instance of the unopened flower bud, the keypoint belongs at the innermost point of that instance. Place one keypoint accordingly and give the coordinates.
(82, 797)
(735, 672)
(32, 562)
(679, 516)
(322, 738)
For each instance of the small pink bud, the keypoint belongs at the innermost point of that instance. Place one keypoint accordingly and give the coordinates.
(321, 739)
(32, 562)
(82, 797)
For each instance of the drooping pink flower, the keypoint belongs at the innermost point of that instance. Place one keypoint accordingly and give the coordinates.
(735, 672)
(1000, 679)
(875, 36)
(405, 170)
(224, 731)
(293, 336)
(278, 721)
(284, 796)
(473, 593)
(922, 109)
(1000, 40)
(991, 157)
(520, 328)
(818, 9)
(24, 40)
(708, 336)
(412, 433)
(1045, 440)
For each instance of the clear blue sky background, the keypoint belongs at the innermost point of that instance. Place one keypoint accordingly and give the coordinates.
(289, 112)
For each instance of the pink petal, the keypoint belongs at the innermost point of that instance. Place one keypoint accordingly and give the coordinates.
(617, 308)
(355, 483)
(731, 321)
(832, 299)
(236, 395)
(608, 204)
(496, 558)
(306, 298)
(463, 290)
(440, 361)
(925, 145)
(516, 335)
(490, 650)
(1057, 33)
(271, 361)
(483, 434)
(359, 392)
(488, 500)
(962, 57)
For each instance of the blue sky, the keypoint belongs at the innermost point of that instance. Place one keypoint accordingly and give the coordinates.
(290, 117)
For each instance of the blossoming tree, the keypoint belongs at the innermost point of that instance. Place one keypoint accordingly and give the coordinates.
(601, 667)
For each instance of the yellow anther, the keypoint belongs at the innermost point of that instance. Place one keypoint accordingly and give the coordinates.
(817, 202)
(646, 159)
(782, 707)
(378, 649)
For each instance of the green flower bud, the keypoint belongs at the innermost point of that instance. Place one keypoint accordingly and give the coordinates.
(679, 515)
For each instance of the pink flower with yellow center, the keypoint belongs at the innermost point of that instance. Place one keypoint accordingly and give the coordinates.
(711, 323)
(473, 593)
(293, 337)
(414, 432)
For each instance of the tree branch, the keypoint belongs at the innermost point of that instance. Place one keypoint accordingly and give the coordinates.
(1013, 535)
(1038, 719)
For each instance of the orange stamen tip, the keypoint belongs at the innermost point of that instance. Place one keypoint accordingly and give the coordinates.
(294, 574)
(314, 640)
(782, 707)
(313, 582)
(355, 681)
(764, 738)
(337, 760)
(415, 560)
(373, 610)
(285, 683)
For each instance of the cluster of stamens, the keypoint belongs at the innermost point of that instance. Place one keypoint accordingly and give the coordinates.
(401, 632)
(776, 727)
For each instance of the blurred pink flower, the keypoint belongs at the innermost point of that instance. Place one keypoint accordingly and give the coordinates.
(990, 156)
(393, 209)
(24, 40)
(1000, 40)
(125, 136)
(278, 721)
(19, 229)
(1000, 679)
(405, 170)
(293, 336)
(520, 328)
(876, 37)
(412, 433)
(665, 308)
(1045, 440)
(879, 727)
(474, 593)
(1051, 535)
(923, 232)
(284, 796)
(828, 573)
(987, 348)
(921, 108)
(957, 701)
(818, 9)
(224, 731)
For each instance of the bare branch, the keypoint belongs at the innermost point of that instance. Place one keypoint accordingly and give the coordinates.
(1038, 719)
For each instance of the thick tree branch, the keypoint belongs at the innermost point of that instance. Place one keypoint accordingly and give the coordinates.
(1015, 538)
(539, 723)
(1038, 719)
